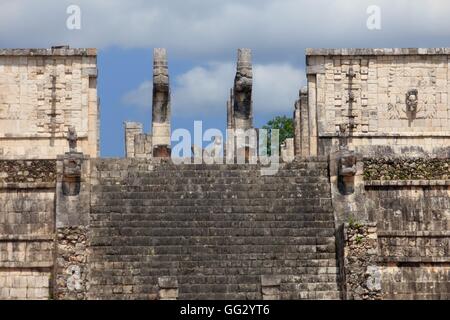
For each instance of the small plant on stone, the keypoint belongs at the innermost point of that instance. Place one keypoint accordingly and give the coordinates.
(358, 239)
(353, 224)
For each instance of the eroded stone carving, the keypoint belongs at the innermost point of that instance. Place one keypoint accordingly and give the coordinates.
(72, 139)
(412, 100)
(74, 282)
(242, 92)
(410, 108)
(161, 89)
(72, 173)
(160, 105)
(72, 166)
(346, 171)
(351, 97)
(351, 73)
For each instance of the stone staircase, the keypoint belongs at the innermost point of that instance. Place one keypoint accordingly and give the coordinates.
(219, 230)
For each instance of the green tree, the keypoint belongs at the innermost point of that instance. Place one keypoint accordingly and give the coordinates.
(285, 126)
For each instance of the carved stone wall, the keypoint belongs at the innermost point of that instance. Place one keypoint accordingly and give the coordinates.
(42, 93)
(25, 284)
(343, 226)
(165, 231)
(389, 100)
(412, 219)
(27, 171)
(404, 168)
(27, 199)
(361, 272)
(131, 130)
(161, 106)
(71, 270)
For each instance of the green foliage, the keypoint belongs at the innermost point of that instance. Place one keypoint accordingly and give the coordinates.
(353, 224)
(359, 238)
(285, 126)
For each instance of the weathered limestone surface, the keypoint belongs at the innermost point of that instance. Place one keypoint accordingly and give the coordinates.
(24, 285)
(369, 220)
(161, 110)
(26, 228)
(131, 130)
(217, 229)
(241, 136)
(391, 101)
(242, 91)
(412, 229)
(27, 171)
(139, 144)
(287, 150)
(301, 124)
(406, 169)
(361, 272)
(42, 93)
(71, 269)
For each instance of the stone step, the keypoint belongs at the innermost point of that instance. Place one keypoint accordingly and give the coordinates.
(302, 176)
(115, 258)
(147, 240)
(216, 228)
(271, 190)
(210, 251)
(147, 292)
(304, 275)
(213, 212)
(223, 176)
(286, 183)
(150, 276)
(106, 164)
(312, 295)
(266, 187)
(138, 226)
(268, 202)
(206, 213)
(221, 231)
(304, 295)
(166, 241)
(208, 196)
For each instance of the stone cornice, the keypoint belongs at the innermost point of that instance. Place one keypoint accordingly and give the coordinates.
(64, 51)
(376, 51)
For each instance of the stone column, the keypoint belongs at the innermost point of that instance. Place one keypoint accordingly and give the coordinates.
(287, 150)
(312, 116)
(143, 146)
(242, 91)
(301, 125)
(160, 104)
(131, 130)
(304, 121)
(241, 108)
(72, 226)
(297, 128)
(230, 114)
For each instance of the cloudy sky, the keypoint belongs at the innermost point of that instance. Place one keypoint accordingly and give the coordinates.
(202, 37)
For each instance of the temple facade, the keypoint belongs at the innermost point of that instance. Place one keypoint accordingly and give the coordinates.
(359, 207)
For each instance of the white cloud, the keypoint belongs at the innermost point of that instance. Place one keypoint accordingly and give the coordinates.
(204, 90)
(140, 97)
(198, 28)
(276, 87)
